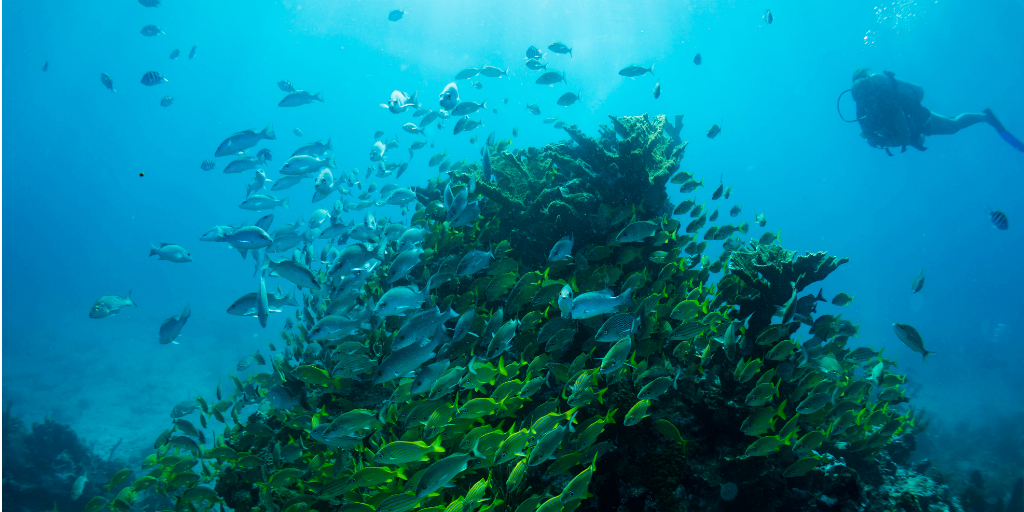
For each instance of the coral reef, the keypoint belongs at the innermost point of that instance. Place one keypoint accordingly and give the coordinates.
(692, 396)
(42, 462)
(565, 188)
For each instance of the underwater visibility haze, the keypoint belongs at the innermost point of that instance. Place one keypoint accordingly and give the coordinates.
(312, 255)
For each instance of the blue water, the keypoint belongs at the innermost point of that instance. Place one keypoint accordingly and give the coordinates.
(79, 219)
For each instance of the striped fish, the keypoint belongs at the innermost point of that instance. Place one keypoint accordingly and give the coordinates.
(152, 78)
(999, 220)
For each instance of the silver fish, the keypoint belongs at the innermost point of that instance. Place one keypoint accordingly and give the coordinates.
(562, 249)
(170, 252)
(244, 140)
(592, 304)
(299, 98)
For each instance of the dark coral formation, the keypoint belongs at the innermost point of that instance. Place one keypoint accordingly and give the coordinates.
(41, 462)
(565, 188)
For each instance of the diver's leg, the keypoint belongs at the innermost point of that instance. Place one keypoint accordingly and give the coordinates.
(941, 125)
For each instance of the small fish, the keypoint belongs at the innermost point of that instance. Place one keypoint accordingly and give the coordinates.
(150, 3)
(151, 78)
(166, 101)
(802, 466)
(192, 52)
(533, 53)
(911, 338)
(568, 99)
(565, 299)
(657, 90)
(714, 131)
(467, 73)
(591, 304)
(440, 473)
(697, 60)
(918, 282)
(171, 328)
(735, 210)
(286, 86)
(562, 249)
(550, 78)
(243, 140)
(78, 487)
(556, 47)
(400, 102)
(396, 14)
(534, 109)
(474, 262)
(637, 413)
(635, 71)
(768, 16)
(493, 72)
(636, 232)
(999, 220)
(259, 202)
(175, 53)
(842, 299)
(299, 98)
(169, 252)
(208, 165)
(535, 64)
(151, 30)
(107, 82)
(468, 107)
(404, 452)
(297, 132)
(110, 304)
(618, 327)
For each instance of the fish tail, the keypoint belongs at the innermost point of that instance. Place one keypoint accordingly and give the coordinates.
(152, 249)
(268, 132)
(924, 355)
(319, 96)
(651, 70)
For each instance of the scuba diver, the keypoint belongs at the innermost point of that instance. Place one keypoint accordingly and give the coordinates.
(891, 115)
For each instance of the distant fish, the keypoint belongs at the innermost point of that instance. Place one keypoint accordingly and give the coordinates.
(166, 101)
(299, 98)
(264, 154)
(550, 78)
(635, 71)
(171, 328)
(535, 64)
(493, 72)
(152, 78)
(657, 90)
(150, 3)
(151, 30)
(560, 48)
(562, 249)
(714, 131)
(999, 220)
(468, 107)
(918, 282)
(768, 16)
(46, 65)
(467, 73)
(697, 60)
(175, 53)
(297, 132)
(478, 85)
(107, 82)
(170, 252)
(286, 86)
(413, 129)
(208, 165)
(396, 14)
(241, 141)
(110, 304)
(735, 210)
(378, 134)
(534, 109)
(911, 338)
(568, 99)
(533, 53)
(259, 203)
(192, 52)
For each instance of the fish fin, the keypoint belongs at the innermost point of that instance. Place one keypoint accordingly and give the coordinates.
(284, 203)
(319, 96)
(268, 132)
